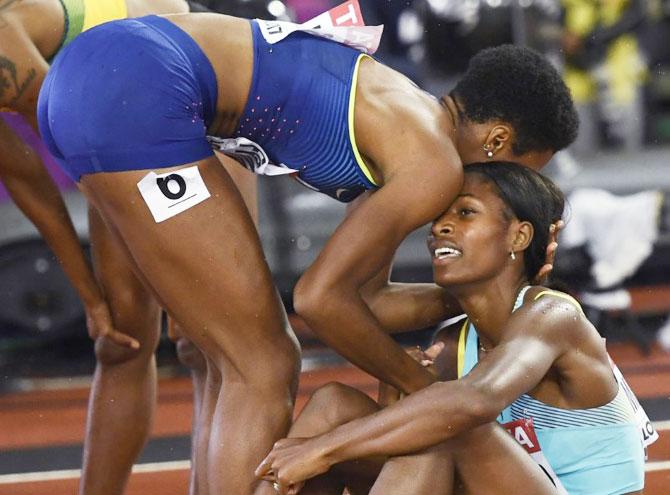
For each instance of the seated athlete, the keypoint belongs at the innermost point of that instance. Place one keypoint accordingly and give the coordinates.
(122, 315)
(543, 374)
(340, 122)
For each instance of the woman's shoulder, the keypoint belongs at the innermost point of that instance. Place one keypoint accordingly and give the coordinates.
(384, 94)
(555, 311)
(542, 295)
(41, 21)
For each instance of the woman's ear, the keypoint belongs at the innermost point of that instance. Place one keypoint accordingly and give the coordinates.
(498, 138)
(523, 235)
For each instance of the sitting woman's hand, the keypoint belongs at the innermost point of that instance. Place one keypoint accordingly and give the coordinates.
(291, 462)
(390, 395)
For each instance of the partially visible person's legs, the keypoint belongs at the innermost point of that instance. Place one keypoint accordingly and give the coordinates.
(207, 269)
(206, 380)
(487, 459)
(587, 142)
(194, 360)
(211, 388)
(123, 394)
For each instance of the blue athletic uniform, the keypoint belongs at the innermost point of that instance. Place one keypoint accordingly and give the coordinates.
(125, 95)
(140, 93)
(596, 451)
(300, 110)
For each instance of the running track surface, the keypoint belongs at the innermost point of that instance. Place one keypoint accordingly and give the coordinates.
(45, 421)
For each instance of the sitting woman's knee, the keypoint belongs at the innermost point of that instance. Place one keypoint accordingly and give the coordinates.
(474, 437)
(337, 403)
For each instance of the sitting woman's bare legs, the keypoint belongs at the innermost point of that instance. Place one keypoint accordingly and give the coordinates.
(207, 269)
(487, 460)
(484, 460)
(330, 406)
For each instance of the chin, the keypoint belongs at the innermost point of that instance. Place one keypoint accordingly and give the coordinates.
(447, 280)
(455, 281)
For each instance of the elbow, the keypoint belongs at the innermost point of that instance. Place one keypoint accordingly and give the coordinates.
(311, 300)
(481, 405)
(467, 406)
(484, 411)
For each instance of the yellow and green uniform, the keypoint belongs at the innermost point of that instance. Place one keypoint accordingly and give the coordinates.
(81, 15)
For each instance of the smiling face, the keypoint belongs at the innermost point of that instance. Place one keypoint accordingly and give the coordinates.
(472, 240)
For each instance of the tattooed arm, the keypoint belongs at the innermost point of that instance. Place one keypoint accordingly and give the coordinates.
(22, 70)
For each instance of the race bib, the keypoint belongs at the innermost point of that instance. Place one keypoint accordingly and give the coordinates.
(169, 194)
(343, 24)
(647, 431)
(523, 432)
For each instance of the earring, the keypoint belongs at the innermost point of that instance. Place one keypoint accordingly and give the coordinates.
(512, 255)
(489, 153)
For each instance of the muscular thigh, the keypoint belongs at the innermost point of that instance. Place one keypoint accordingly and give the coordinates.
(246, 183)
(205, 264)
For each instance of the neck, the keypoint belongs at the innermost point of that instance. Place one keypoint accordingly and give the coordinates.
(449, 106)
(489, 304)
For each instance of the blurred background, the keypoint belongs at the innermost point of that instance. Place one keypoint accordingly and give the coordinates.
(614, 253)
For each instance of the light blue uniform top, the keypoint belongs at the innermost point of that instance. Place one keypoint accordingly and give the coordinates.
(596, 451)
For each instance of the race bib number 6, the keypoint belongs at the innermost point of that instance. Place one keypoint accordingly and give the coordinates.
(169, 194)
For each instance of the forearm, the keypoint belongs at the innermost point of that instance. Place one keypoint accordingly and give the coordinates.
(401, 307)
(345, 323)
(35, 193)
(417, 422)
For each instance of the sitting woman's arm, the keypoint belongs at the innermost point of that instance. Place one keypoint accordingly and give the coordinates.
(535, 337)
